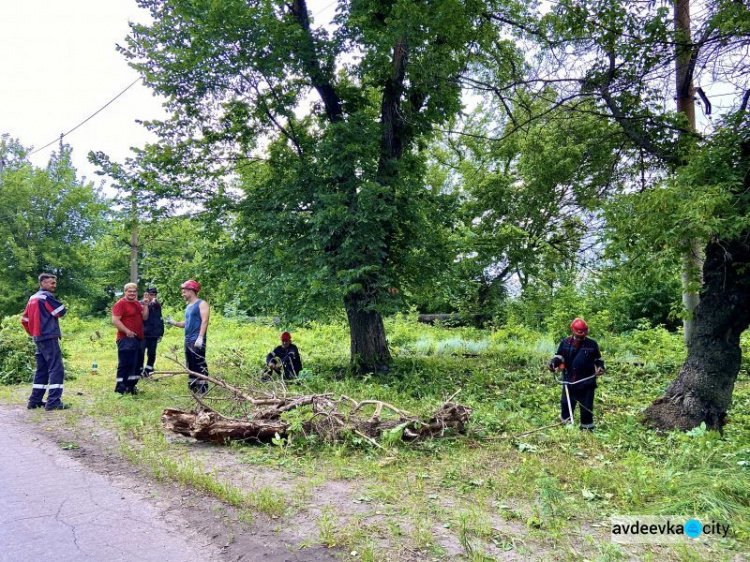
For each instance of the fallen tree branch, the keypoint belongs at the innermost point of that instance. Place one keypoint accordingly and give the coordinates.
(208, 425)
(327, 419)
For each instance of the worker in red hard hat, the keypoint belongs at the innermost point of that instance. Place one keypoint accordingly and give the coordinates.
(581, 362)
(285, 358)
(579, 328)
(197, 314)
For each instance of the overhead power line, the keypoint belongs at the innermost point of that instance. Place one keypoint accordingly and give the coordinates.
(102, 108)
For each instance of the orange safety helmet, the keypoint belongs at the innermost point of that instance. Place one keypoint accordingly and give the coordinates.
(579, 327)
(191, 284)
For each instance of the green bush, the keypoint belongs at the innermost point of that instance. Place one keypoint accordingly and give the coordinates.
(16, 352)
(657, 349)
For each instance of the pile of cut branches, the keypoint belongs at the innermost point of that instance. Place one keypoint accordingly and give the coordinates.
(258, 416)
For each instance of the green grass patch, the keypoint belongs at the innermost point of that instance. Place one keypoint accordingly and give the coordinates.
(490, 490)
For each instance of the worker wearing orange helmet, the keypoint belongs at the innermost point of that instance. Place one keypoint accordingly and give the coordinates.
(580, 360)
(195, 324)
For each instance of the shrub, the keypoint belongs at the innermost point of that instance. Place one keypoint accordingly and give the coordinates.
(657, 348)
(16, 352)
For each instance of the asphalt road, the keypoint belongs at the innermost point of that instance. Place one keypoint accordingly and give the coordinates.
(54, 508)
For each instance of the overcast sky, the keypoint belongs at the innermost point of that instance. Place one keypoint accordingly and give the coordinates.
(59, 65)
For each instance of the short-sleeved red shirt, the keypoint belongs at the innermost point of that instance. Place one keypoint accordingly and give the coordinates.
(131, 314)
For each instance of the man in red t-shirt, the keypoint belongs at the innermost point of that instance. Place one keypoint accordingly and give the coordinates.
(128, 315)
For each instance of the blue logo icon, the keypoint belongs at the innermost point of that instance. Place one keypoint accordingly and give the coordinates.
(693, 528)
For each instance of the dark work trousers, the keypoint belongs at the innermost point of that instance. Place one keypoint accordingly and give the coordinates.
(196, 362)
(129, 365)
(584, 397)
(289, 371)
(49, 375)
(148, 346)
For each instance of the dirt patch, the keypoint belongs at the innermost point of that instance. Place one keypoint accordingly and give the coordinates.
(181, 507)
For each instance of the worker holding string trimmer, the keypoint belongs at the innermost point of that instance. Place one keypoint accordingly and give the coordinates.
(579, 359)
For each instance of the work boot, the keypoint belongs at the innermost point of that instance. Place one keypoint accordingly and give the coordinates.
(35, 405)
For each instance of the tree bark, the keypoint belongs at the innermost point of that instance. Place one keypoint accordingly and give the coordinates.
(369, 347)
(692, 261)
(320, 80)
(685, 99)
(703, 390)
(134, 241)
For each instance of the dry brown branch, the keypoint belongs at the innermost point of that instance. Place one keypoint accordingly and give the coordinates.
(371, 440)
(452, 396)
(236, 391)
(207, 408)
(380, 405)
(328, 420)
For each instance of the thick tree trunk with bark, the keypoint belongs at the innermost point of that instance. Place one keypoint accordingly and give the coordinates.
(369, 347)
(134, 241)
(703, 390)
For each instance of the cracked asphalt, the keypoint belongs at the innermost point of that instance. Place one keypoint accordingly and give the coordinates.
(54, 508)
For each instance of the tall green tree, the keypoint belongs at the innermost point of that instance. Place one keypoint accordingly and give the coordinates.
(49, 221)
(532, 196)
(624, 56)
(340, 199)
(708, 200)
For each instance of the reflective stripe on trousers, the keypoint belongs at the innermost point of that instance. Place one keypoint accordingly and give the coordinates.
(49, 373)
(129, 362)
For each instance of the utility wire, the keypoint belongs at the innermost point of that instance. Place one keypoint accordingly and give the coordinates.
(318, 12)
(60, 138)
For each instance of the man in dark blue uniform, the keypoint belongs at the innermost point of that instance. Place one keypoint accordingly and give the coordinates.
(153, 329)
(288, 358)
(581, 362)
(40, 320)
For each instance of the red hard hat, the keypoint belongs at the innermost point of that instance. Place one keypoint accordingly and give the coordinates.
(191, 284)
(286, 336)
(579, 327)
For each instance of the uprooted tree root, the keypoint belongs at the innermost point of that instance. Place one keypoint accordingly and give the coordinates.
(257, 417)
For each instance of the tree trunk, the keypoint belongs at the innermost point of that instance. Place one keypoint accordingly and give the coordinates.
(134, 255)
(685, 99)
(703, 390)
(134, 241)
(369, 348)
(692, 261)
